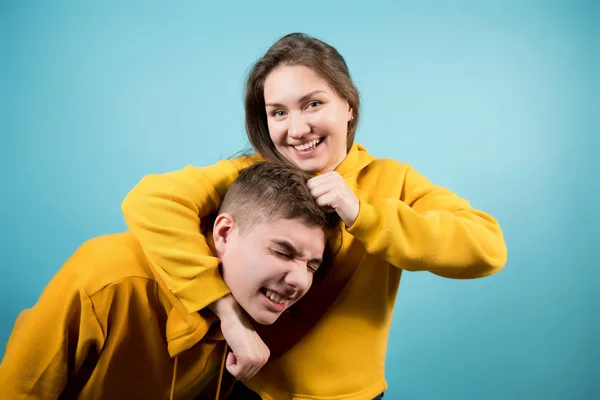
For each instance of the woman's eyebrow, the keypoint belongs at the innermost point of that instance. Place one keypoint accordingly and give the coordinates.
(301, 100)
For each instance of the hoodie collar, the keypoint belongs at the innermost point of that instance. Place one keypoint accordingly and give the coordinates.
(356, 159)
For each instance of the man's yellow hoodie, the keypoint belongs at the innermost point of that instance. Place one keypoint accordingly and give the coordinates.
(106, 328)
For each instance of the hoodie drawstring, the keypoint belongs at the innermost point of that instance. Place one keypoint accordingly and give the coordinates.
(221, 370)
(174, 378)
(223, 360)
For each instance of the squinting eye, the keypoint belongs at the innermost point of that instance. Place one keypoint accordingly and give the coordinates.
(314, 104)
(277, 113)
(284, 255)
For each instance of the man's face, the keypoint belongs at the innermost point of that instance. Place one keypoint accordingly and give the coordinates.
(268, 266)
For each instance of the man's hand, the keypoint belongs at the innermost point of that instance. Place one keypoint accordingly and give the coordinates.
(249, 353)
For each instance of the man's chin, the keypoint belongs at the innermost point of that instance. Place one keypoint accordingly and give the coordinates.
(265, 318)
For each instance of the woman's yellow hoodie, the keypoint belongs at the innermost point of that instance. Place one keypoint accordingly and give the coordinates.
(333, 345)
(106, 328)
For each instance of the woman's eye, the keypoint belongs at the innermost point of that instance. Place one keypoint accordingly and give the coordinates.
(277, 113)
(314, 104)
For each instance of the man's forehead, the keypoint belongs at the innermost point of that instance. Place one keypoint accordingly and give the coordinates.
(295, 230)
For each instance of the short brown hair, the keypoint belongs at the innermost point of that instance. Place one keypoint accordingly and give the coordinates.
(296, 49)
(270, 190)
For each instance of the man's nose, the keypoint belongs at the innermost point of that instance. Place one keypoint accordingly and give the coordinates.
(298, 280)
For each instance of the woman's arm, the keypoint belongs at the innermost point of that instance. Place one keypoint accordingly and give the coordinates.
(164, 212)
(430, 228)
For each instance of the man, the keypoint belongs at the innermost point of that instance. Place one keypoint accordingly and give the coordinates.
(106, 327)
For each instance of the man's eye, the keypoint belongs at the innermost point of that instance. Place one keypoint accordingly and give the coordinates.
(284, 255)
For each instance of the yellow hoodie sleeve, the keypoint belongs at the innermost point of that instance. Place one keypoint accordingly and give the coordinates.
(163, 212)
(431, 229)
(50, 341)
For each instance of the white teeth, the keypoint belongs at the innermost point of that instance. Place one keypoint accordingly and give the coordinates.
(274, 297)
(309, 145)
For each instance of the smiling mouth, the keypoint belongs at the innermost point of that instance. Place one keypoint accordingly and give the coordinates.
(274, 297)
(305, 147)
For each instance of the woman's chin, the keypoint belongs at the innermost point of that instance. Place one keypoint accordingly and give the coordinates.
(309, 165)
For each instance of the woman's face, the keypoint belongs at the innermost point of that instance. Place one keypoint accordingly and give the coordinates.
(308, 121)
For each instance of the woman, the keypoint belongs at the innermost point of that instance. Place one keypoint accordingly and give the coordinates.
(303, 108)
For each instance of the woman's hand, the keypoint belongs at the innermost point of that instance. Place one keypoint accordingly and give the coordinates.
(330, 190)
(249, 353)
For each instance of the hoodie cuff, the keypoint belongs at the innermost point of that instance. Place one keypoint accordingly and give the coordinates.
(366, 225)
(203, 290)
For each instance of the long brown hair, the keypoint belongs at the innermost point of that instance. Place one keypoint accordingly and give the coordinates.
(296, 49)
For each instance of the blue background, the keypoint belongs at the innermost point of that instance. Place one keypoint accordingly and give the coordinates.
(497, 102)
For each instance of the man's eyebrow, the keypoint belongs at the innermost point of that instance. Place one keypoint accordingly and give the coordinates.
(286, 245)
(302, 99)
(290, 248)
